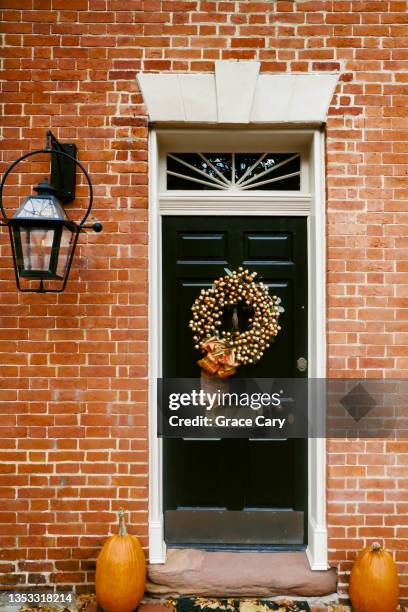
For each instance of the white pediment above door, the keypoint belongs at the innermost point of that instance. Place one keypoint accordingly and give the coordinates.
(237, 94)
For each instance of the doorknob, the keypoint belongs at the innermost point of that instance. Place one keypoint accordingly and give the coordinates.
(301, 364)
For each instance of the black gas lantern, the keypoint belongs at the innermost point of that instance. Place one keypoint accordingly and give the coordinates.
(43, 238)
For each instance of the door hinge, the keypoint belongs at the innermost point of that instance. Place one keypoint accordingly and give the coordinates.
(301, 364)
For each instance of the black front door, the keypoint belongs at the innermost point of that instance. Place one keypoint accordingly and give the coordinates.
(227, 491)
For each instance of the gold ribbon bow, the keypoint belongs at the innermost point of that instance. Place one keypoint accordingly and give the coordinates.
(220, 360)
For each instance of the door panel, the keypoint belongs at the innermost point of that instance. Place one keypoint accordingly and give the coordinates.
(234, 476)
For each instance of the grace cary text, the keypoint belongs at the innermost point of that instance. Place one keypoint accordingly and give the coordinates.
(222, 421)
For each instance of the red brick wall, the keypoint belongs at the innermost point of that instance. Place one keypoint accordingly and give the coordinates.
(73, 393)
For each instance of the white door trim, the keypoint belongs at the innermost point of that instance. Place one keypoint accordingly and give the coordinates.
(311, 205)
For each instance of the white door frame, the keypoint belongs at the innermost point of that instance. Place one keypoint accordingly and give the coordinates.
(309, 203)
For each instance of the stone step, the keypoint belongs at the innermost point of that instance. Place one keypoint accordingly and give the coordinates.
(150, 606)
(237, 574)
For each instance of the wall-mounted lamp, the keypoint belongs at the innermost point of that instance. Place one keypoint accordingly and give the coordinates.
(43, 238)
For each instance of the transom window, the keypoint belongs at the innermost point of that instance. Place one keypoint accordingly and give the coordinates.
(233, 171)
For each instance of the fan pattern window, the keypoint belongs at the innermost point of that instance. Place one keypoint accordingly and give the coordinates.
(234, 171)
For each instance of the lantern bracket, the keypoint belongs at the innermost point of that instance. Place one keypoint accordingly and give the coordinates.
(51, 152)
(63, 169)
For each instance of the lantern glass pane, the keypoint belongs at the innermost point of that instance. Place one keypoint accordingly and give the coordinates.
(67, 238)
(41, 207)
(36, 246)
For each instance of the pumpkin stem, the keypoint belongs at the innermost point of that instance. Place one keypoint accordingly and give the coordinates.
(122, 525)
(375, 546)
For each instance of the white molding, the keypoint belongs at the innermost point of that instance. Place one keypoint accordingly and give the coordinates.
(157, 546)
(223, 140)
(317, 550)
(236, 94)
(310, 205)
(180, 203)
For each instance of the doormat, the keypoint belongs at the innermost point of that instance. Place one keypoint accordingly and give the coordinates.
(202, 604)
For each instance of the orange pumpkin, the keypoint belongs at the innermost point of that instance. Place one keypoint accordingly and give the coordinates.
(374, 581)
(120, 571)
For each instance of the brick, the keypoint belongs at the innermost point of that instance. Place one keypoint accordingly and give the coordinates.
(74, 364)
(242, 43)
